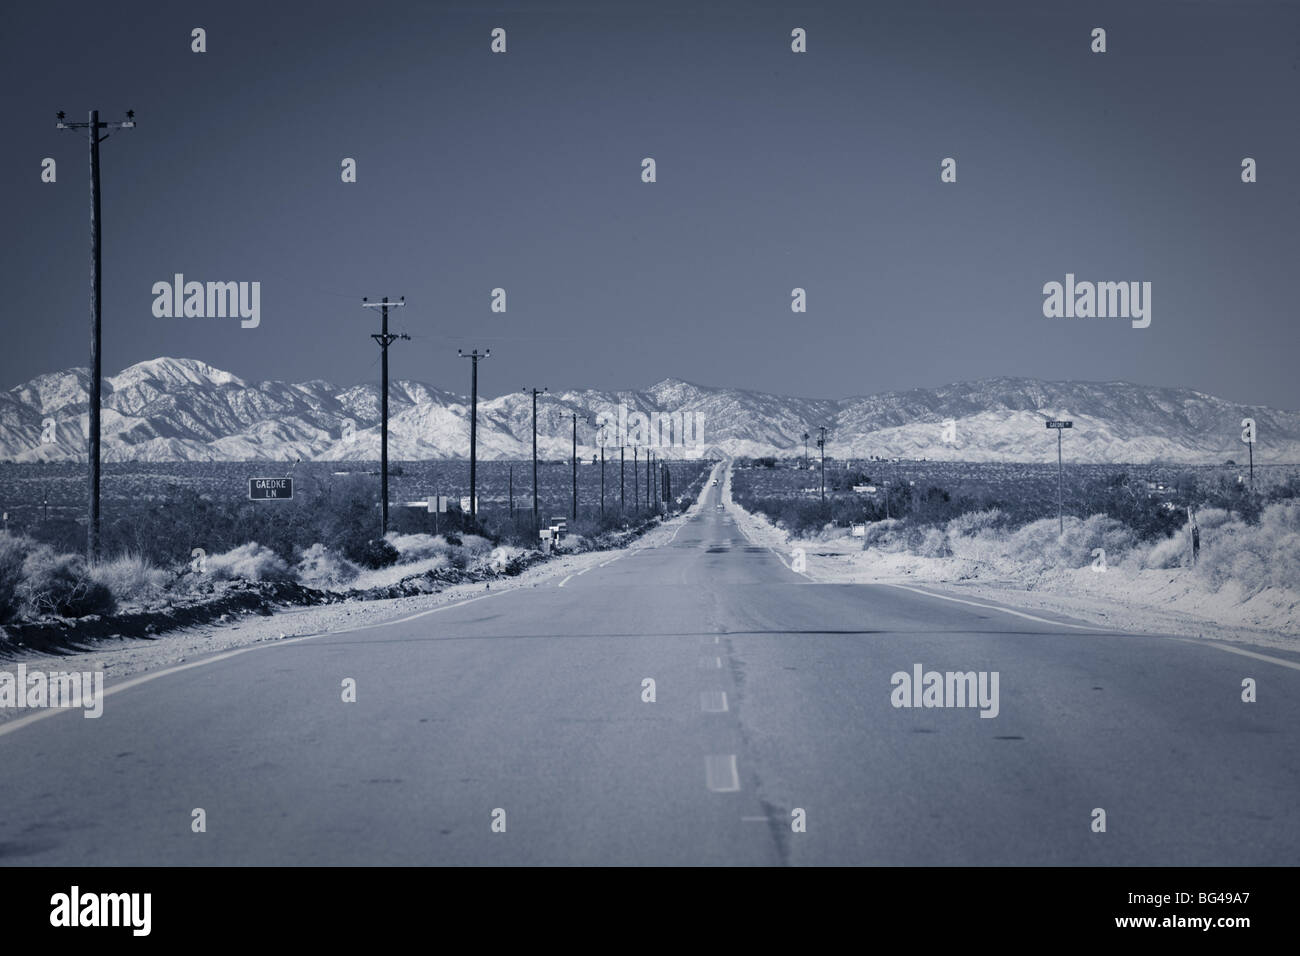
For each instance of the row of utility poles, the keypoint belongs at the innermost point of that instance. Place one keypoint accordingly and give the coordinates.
(96, 132)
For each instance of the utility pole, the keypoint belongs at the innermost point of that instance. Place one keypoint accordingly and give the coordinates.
(575, 466)
(93, 126)
(474, 358)
(384, 340)
(656, 485)
(805, 451)
(636, 480)
(536, 391)
(622, 488)
(821, 443)
(601, 438)
(512, 494)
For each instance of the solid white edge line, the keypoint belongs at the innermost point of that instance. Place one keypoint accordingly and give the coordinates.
(1006, 610)
(1243, 652)
(10, 726)
(994, 607)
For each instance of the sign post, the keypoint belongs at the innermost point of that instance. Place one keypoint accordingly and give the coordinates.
(267, 489)
(1060, 475)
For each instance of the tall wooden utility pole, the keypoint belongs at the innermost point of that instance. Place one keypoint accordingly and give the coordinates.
(536, 522)
(474, 358)
(93, 126)
(384, 339)
(821, 443)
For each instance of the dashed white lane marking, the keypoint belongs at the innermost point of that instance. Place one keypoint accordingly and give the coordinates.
(711, 663)
(720, 773)
(713, 701)
(566, 580)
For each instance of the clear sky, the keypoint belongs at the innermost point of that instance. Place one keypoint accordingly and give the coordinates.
(775, 170)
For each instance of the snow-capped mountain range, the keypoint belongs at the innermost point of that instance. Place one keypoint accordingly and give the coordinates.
(174, 409)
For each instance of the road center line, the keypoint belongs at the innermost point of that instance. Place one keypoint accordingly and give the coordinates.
(720, 773)
(713, 701)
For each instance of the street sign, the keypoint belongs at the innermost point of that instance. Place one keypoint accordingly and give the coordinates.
(263, 489)
(859, 531)
(1059, 424)
(437, 504)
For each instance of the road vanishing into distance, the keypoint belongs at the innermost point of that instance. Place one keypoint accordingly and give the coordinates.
(772, 695)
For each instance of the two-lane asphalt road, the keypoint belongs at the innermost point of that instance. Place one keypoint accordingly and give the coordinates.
(772, 693)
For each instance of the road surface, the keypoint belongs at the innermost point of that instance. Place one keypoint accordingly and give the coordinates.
(772, 694)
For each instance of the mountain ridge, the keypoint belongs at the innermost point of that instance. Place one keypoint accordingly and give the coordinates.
(168, 409)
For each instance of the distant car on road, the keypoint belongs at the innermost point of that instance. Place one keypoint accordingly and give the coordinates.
(715, 481)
